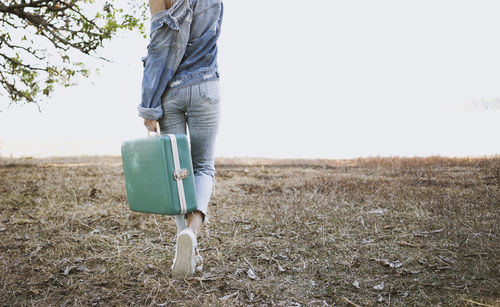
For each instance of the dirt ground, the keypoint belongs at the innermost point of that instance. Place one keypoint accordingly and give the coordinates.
(367, 232)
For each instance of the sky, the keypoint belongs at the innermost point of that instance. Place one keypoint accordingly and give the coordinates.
(315, 79)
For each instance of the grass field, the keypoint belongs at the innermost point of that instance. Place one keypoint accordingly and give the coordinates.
(379, 231)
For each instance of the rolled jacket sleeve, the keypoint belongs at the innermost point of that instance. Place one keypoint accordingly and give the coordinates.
(169, 38)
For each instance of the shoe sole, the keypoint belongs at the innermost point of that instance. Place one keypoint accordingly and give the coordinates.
(183, 260)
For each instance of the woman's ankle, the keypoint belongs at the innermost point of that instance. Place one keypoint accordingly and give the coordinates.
(194, 221)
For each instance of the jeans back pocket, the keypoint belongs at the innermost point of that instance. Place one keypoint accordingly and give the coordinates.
(210, 91)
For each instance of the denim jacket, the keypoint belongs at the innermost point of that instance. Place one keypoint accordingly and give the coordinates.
(182, 50)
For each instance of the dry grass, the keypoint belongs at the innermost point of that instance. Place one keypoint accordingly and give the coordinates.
(381, 231)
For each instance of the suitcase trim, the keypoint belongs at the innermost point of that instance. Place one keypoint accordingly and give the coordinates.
(177, 170)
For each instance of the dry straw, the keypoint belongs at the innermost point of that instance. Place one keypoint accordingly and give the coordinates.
(282, 232)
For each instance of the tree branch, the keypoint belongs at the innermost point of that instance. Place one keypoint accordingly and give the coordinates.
(65, 25)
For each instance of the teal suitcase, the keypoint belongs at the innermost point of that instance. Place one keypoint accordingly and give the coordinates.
(159, 174)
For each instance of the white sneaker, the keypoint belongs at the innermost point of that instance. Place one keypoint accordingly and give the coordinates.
(184, 261)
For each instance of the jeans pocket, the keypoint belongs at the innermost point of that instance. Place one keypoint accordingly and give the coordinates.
(209, 91)
(170, 94)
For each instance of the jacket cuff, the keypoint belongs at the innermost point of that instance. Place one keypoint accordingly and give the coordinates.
(150, 113)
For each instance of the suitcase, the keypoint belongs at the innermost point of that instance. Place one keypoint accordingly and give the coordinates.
(159, 174)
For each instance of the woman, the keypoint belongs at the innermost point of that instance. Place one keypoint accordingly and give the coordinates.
(181, 87)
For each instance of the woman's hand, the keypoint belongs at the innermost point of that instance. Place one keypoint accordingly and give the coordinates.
(150, 125)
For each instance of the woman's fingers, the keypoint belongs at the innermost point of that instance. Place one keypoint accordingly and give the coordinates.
(150, 125)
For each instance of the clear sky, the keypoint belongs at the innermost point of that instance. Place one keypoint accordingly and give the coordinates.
(331, 79)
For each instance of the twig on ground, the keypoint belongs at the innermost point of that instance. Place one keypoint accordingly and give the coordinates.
(425, 233)
(404, 243)
(477, 303)
(349, 302)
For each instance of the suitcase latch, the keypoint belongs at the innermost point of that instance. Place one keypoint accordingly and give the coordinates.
(180, 174)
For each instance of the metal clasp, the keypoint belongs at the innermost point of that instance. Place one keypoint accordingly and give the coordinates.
(180, 174)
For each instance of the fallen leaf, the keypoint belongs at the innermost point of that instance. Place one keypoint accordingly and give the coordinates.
(38, 248)
(367, 241)
(396, 264)
(446, 259)
(68, 269)
(264, 257)
(251, 274)
(377, 211)
(239, 270)
(391, 226)
(280, 268)
(379, 287)
(225, 298)
(361, 221)
(407, 271)
(35, 291)
(383, 262)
